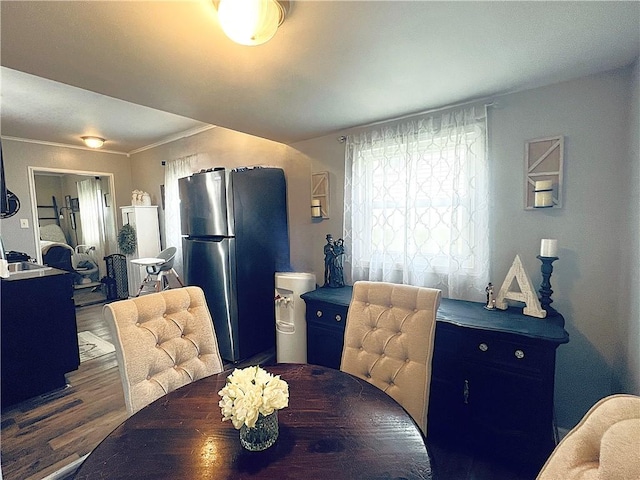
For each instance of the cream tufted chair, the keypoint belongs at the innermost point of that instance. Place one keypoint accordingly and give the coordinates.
(605, 445)
(163, 341)
(388, 341)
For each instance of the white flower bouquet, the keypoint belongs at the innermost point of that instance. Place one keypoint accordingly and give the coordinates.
(250, 392)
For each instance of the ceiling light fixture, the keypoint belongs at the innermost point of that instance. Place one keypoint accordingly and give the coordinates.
(251, 22)
(93, 142)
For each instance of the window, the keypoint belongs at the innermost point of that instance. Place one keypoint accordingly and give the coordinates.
(416, 204)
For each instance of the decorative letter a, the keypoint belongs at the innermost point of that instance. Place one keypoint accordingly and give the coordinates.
(526, 293)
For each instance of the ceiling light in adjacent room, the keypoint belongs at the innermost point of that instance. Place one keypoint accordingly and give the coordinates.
(251, 22)
(93, 142)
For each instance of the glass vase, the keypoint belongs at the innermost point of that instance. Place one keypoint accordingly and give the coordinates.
(263, 435)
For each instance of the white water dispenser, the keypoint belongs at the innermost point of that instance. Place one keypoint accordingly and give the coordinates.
(291, 325)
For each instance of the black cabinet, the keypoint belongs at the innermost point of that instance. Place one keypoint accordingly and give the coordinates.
(326, 316)
(493, 372)
(39, 334)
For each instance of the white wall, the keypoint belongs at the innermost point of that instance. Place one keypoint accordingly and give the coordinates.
(18, 156)
(590, 113)
(592, 229)
(630, 365)
(325, 154)
(228, 148)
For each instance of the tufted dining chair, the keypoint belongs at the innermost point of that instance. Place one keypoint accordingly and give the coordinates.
(604, 445)
(388, 341)
(163, 341)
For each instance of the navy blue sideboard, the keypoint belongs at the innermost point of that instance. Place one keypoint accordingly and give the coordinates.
(493, 372)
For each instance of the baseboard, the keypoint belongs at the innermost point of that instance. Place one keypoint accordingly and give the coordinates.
(66, 470)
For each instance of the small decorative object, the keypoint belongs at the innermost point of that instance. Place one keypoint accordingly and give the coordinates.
(543, 173)
(491, 299)
(251, 400)
(548, 247)
(127, 239)
(548, 254)
(315, 208)
(320, 195)
(543, 197)
(334, 263)
(140, 198)
(526, 293)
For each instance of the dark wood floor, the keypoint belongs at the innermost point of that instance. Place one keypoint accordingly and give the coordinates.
(46, 434)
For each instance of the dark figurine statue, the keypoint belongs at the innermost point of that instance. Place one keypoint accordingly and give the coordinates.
(334, 263)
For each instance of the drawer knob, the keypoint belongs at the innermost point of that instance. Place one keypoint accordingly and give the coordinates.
(483, 347)
(319, 313)
(338, 318)
(519, 354)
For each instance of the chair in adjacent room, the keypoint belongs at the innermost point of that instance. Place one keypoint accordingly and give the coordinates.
(388, 341)
(163, 341)
(160, 272)
(604, 445)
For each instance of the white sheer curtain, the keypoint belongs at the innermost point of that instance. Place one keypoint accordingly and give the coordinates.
(416, 203)
(173, 170)
(92, 219)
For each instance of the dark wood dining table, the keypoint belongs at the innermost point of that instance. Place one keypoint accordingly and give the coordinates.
(336, 426)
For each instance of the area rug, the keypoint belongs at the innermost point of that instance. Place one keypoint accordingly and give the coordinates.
(91, 346)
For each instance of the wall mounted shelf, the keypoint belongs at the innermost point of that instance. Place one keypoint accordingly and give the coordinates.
(320, 192)
(543, 161)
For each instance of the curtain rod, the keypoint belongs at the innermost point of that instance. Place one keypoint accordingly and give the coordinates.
(488, 102)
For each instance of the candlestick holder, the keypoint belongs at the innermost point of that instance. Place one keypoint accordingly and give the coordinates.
(545, 287)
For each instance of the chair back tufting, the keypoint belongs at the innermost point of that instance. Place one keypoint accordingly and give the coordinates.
(389, 341)
(604, 445)
(163, 341)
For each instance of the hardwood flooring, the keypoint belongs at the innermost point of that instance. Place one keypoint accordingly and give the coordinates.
(43, 435)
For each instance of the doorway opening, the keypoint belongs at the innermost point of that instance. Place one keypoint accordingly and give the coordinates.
(74, 225)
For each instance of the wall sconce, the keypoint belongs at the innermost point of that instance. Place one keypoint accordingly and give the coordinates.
(320, 195)
(543, 194)
(544, 158)
(251, 22)
(93, 142)
(316, 212)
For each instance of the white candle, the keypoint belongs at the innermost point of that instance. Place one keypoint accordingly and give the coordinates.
(315, 208)
(549, 247)
(544, 185)
(543, 196)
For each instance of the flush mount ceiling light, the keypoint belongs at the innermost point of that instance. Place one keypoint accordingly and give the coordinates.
(251, 22)
(93, 142)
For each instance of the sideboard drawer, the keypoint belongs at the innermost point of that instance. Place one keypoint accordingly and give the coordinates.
(512, 353)
(328, 314)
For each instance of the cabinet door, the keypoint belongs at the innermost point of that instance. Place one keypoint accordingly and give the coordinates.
(502, 405)
(510, 394)
(448, 401)
(324, 345)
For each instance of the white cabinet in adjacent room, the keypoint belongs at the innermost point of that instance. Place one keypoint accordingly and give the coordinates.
(144, 219)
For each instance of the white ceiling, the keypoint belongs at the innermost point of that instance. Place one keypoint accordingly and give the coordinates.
(137, 72)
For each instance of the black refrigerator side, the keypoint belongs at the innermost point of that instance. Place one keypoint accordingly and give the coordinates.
(262, 248)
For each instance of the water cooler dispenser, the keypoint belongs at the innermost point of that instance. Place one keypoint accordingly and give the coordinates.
(291, 325)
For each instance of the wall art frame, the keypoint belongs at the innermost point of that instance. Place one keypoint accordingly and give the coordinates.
(320, 191)
(544, 160)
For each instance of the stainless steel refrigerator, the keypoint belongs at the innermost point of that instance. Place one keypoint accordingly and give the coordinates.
(235, 237)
